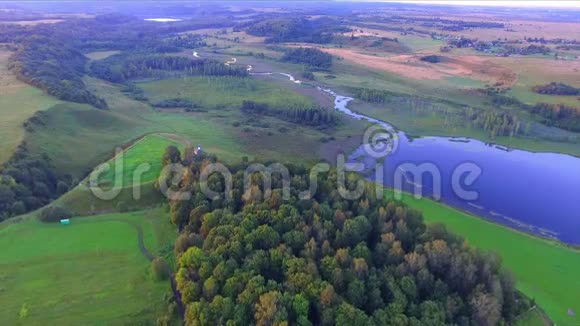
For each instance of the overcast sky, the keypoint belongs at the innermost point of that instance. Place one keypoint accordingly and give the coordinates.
(513, 3)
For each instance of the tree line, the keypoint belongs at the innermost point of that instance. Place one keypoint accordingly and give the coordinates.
(311, 116)
(280, 30)
(262, 260)
(557, 115)
(554, 88)
(311, 57)
(122, 67)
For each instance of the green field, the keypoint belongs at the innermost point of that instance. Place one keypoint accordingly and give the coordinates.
(546, 271)
(89, 272)
(145, 154)
(224, 92)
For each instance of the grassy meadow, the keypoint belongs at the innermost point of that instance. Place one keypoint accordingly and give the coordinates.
(224, 92)
(96, 259)
(146, 151)
(545, 271)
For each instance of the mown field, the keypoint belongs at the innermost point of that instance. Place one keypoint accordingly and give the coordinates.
(144, 155)
(545, 271)
(18, 102)
(89, 272)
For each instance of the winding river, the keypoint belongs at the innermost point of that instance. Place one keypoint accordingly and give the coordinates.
(537, 193)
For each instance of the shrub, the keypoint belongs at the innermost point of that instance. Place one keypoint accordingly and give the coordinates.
(23, 313)
(159, 269)
(432, 58)
(54, 214)
(122, 207)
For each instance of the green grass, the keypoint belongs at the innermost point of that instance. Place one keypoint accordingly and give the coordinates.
(144, 154)
(546, 271)
(224, 92)
(90, 272)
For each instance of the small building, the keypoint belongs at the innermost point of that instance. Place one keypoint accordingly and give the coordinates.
(65, 221)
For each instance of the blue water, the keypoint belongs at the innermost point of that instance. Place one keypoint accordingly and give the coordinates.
(533, 192)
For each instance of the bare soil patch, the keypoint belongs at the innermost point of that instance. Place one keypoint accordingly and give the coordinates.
(411, 66)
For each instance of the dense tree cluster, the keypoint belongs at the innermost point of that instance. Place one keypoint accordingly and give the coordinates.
(279, 30)
(495, 122)
(122, 68)
(308, 56)
(260, 259)
(372, 95)
(554, 88)
(312, 116)
(28, 182)
(558, 115)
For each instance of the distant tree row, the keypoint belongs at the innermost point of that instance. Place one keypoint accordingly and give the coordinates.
(554, 88)
(279, 30)
(312, 116)
(558, 115)
(311, 57)
(260, 259)
(122, 68)
(495, 122)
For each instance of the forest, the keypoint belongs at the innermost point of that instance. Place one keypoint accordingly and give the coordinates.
(559, 115)
(28, 182)
(123, 67)
(257, 258)
(311, 116)
(280, 30)
(310, 57)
